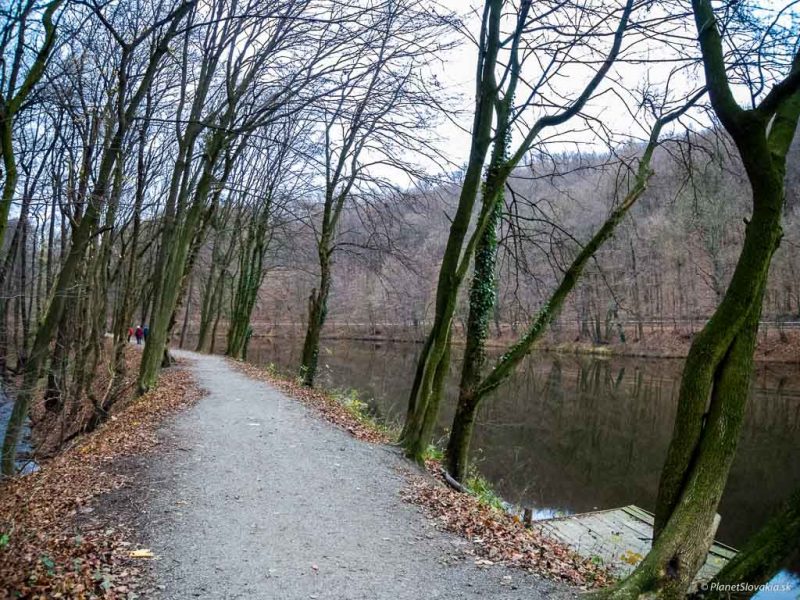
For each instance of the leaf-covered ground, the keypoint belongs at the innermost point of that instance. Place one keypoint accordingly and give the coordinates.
(49, 545)
(496, 536)
(49, 429)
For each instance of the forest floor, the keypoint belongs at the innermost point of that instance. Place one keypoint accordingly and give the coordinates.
(256, 496)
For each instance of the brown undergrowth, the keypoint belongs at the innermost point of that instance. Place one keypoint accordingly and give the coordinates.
(50, 430)
(49, 548)
(497, 536)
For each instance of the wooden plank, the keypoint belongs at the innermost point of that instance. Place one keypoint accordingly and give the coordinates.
(621, 537)
(718, 548)
(639, 513)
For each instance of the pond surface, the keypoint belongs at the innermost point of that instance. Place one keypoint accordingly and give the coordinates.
(572, 433)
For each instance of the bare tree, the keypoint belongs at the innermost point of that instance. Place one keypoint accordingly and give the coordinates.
(129, 96)
(379, 114)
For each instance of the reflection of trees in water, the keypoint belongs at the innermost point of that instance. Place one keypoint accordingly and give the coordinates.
(601, 442)
(574, 433)
(580, 429)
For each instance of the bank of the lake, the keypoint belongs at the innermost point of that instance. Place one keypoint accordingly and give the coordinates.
(778, 342)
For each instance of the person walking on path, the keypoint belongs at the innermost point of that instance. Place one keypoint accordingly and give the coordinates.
(145, 333)
(139, 335)
(130, 334)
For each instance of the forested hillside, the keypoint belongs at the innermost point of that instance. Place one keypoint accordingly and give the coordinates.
(665, 269)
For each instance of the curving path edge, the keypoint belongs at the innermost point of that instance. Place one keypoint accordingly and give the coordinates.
(259, 498)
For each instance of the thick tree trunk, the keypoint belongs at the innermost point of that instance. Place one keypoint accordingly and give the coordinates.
(435, 348)
(716, 378)
(170, 282)
(210, 308)
(458, 443)
(186, 311)
(481, 305)
(251, 277)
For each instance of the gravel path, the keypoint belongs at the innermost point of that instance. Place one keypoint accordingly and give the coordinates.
(261, 499)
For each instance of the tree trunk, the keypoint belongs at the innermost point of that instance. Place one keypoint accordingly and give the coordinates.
(185, 325)
(81, 238)
(170, 282)
(481, 305)
(435, 348)
(765, 553)
(716, 377)
(473, 389)
(317, 311)
(251, 277)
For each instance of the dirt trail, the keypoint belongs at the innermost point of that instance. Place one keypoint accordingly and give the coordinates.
(261, 499)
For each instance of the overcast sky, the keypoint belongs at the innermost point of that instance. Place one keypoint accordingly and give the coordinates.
(457, 75)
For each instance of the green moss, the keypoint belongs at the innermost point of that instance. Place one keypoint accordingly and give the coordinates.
(479, 487)
(433, 452)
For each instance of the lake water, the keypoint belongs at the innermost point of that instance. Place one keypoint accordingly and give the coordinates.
(572, 433)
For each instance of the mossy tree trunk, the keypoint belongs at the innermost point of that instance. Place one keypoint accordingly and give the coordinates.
(171, 280)
(214, 283)
(125, 307)
(250, 278)
(765, 553)
(338, 187)
(317, 312)
(210, 303)
(716, 378)
(473, 389)
(436, 343)
(482, 298)
(257, 242)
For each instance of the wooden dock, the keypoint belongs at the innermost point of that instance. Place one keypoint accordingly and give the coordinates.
(620, 538)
